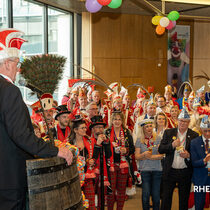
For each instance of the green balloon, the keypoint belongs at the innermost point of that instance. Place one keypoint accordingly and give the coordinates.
(115, 4)
(173, 15)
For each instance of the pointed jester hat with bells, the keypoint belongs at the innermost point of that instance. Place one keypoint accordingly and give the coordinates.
(114, 87)
(123, 91)
(201, 90)
(10, 43)
(184, 114)
(141, 94)
(151, 100)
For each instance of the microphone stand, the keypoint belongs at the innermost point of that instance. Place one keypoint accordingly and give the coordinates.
(45, 119)
(102, 176)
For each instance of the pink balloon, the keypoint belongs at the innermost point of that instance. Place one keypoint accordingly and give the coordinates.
(170, 25)
(92, 6)
(174, 23)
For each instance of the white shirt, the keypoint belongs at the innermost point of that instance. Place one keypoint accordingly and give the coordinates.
(178, 162)
(7, 78)
(204, 140)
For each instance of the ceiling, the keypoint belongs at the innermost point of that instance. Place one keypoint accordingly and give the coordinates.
(141, 7)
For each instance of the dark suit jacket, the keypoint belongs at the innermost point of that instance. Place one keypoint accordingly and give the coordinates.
(17, 139)
(200, 172)
(166, 148)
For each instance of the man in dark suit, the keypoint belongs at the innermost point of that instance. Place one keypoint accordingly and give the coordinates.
(200, 155)
(177, 167)
(17, 139)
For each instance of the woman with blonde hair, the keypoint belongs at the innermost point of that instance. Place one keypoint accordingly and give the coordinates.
(122, 148)
(173, 119)
(161, 123)
(149, 164)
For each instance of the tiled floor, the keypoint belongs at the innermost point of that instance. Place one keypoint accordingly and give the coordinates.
(134, 202)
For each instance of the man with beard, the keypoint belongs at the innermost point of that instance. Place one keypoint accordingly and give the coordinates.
(62, 130)
(102, 153)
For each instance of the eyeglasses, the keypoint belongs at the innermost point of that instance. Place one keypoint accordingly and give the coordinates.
(83, 128)
(94, 109)
(184, 121)
(18, 63)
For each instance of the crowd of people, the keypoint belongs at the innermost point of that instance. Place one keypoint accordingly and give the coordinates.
(151, 136)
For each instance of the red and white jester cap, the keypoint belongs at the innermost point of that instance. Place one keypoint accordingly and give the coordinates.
(10, 43)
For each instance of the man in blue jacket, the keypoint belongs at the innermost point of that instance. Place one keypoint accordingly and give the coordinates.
(200, 155)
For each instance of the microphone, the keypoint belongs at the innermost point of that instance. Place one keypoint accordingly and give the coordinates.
(30, 86)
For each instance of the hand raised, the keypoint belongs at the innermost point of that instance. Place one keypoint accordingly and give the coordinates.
(100, 139)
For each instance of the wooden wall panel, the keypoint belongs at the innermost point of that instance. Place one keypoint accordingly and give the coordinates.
(202, 40)
(86, 44)
(106, 35)
(201, 54)
(108, 69)
(127, 49)
(154, 46)
(131, 36)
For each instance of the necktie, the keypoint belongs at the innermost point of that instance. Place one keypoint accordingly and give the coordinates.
(207, 145)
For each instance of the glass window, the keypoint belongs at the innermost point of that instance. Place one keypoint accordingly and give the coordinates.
(28, 17)
(3, 14)
(60, 41)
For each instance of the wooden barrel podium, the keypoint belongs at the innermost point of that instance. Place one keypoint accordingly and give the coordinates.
(53, 185)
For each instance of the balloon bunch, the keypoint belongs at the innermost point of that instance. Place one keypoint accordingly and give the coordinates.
(164, 23)
(95, 5)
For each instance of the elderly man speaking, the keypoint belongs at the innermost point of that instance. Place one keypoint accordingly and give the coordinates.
(17, 139)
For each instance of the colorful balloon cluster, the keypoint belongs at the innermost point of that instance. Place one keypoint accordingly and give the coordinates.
(164, 23)
(95, 5)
